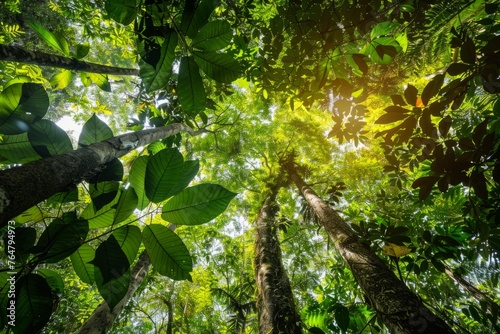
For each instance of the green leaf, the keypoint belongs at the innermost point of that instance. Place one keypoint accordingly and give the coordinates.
(61, 80)
(383, 29)
(53, 279)
(113, 171)
(137, 177)
(195, 18)
(122, 11)
(126, 205)
(432, 88)
(93, 131)
(48, 139)
(61, 238)
(82, 50)
(129, 238)
(34, 303)
(156, 76)
(54, 40)
(163, 172)
(81, 263)
(197, 205)
(322, 72)
(342, 317)
(213, 36)
(103, 217)
(20, 106)
(382, 50)
(190, 89)
(114, 290)
(103, 193)
(168, 254)
(219, 66)
(110, 261)
(17, 149)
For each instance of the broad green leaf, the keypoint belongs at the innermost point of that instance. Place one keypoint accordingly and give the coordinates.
(34, 303)
(383, 29)
(82, 50)
(137, 176)
(193, 18)
(162, 174)
(63, 197)
(113, 171)
(402, 39)
(219, 66)
(33, 214)
(103, 193)
(190, 89)
(61, 238)
(17, 149)
(54, 40)
(113, 291)
(168, 254)
(112, 271)
(100, 80)
(110, 261)
(61, 80)
(20, 106)
(122, 11)
(81, 263)
(373, 49)
(129, 238)
(103, 217)
(156, 147)
(93, 131)
(155, 77)
(48, 139)
(53, 279)
(213, 36)
(126, 205)
(197, 205)
(342, 317)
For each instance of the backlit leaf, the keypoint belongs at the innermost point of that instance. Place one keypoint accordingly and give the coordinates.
(191, 91)
(219, 66)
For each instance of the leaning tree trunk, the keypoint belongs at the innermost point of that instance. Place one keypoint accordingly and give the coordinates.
(103, 318)
(275, 303)
(20, 55)
(24, 186)
(481, 297)
(400, 309)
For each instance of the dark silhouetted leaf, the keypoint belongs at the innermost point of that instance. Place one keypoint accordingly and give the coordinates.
(432, 88)
(411, 95)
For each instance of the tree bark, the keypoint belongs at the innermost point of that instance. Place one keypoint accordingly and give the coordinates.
(20, 55)
(400, 309)
(103, 318)
(492, 307)
(25, 186)
(275, 303)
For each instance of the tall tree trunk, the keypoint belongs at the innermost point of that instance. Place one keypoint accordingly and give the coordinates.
(275, 303)
(400, 309)
(24, 186)
(492, 307)
(20, 55)
(102, 319)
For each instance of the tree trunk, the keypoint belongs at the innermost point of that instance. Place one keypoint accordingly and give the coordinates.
(275, 303)
(400, 309)
(102, 319)
(481, 297)
(20, 55)
(24, 186)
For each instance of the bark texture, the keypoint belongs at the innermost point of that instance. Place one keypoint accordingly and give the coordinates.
(480, 296)
(400, 309)
(102, 319)
(275, 303)
(20, 55)
(25, 186)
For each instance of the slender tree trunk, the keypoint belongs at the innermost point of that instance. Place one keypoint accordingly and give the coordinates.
(102, 319)
(24, 186)
(20, 55)
(275, 303)
(492, 307)
(170, 314)
(400, 309)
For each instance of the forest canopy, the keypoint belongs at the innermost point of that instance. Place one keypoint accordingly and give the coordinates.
(249, 166)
